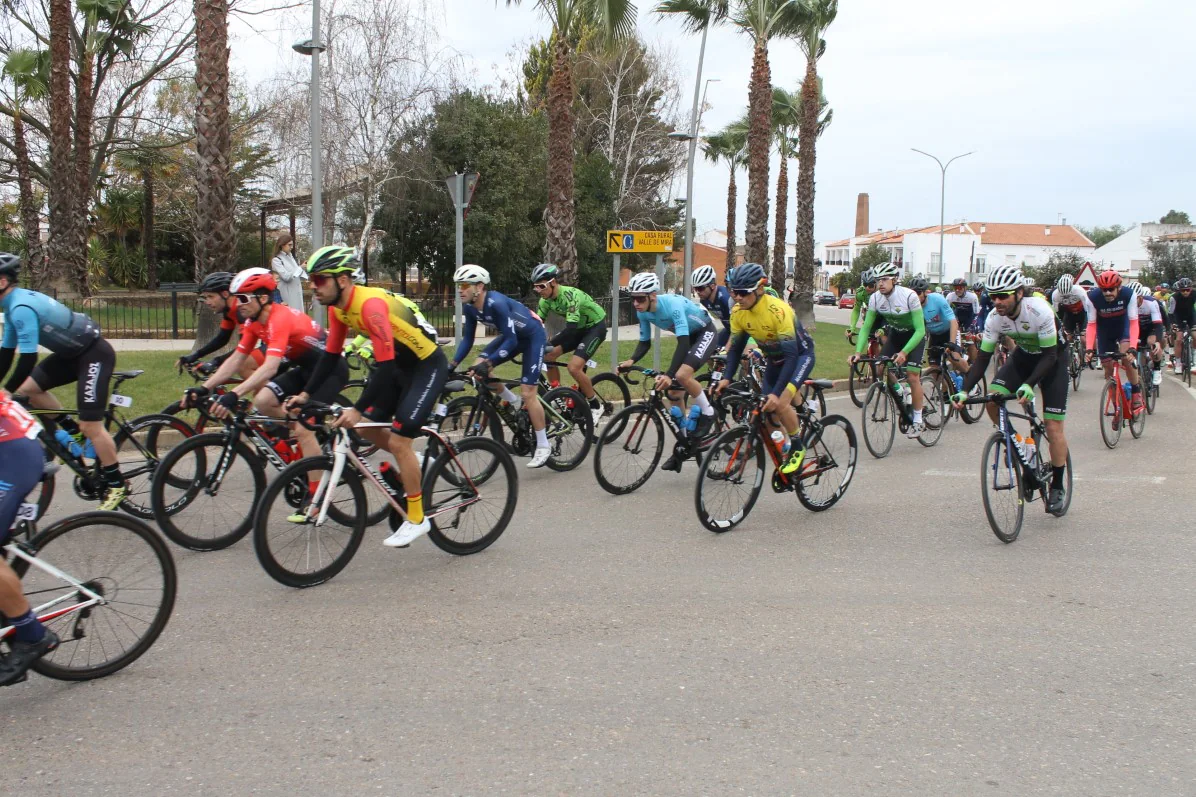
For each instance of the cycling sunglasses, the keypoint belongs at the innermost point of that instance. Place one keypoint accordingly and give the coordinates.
(1000, 294)
(743, 291)
(541, 286)
(320, 279)
(243, 298)
(639, 298)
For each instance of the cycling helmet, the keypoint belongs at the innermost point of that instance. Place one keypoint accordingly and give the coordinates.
(868, 277)
(10, 265)
(1163, 287)
(544, 272)
(471, 273)
(1066, 283)
(1108, 280)
(253, 280)
(1183, 283)
(216, 282)
(978, 286)
(333, 260)
(886, 271)
(702, 276)
(748, 277)
(955, 283)
(1004, 279)
(1141, 291)
(1028, 282)
(919, 284)
(644, 282)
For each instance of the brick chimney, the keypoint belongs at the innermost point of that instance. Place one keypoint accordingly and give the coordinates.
(861, 215)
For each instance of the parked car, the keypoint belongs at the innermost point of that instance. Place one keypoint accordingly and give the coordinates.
(824, 297)
(847, 301)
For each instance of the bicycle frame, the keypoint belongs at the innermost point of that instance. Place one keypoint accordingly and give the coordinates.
(893, 374)
(1118, 376)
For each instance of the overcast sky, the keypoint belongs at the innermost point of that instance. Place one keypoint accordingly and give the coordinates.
(1085, 110)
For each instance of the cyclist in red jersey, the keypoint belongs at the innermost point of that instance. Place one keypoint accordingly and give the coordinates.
(214, 292)
(290, 336)
(21, 461)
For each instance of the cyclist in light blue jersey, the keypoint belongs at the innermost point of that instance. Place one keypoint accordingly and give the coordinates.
(942, 326)
(715, 298)
(77, 354)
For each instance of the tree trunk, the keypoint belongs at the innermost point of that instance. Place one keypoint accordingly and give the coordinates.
(35, 260)
(803, 271)
(80, 271)
(732, 198)
(759, 144)
(215, 241)
(777, 277)
(147, 227)
(560, 244)
(63, 217)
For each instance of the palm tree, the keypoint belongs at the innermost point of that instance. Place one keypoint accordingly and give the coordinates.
(762, 20)
(29, 71)
(728, 147)
(615, 19)
(144, 161)
(214, 234)
(786, 108)
(66, 222)
(819, 16)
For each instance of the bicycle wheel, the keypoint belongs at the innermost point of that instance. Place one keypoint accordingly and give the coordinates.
(1146, 378)
(730, 479)
(1110, 413)
(465, 416)
(190, 416)
(1076, 366)
(628, 449)
(1001, 488)
(125, 562)
(829, 465)
(571, 431)
(1187, 360)
(1137, 423)
(972, 412)
(220, 484)
(613, 392)
(140, 446)
(309, 553)
(470, 508)
(861, 377)
(880, 420)
(934, 408)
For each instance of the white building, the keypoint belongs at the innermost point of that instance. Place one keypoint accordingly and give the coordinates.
(1128, 254)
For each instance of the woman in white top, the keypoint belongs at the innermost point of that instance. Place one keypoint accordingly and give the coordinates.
(289, 273)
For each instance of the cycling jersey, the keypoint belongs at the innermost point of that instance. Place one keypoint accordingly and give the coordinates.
(230, 320)
(288, 333)
(1150, 319)
(674, 314)
(1183, 308)
(1116, 320)
(966, 307)
(937, 314)
(21, 460)
(388, 320)
(901, 311)
(986, 307)
(15, 421)
(857, 309)
(575, 306)
(780, 337)
(719, 305)
(32, 318)
(517, 329)
(1074, 302)
(1034, 329)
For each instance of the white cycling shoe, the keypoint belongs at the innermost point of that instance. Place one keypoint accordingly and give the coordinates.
(407, 533)
(914, 430)
(540, 458)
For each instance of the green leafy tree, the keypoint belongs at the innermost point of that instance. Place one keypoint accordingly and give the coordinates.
(871, 255)
(1169, 262)
(1102, 235)
(1058, 264)
(1175, 217)
(29, 71)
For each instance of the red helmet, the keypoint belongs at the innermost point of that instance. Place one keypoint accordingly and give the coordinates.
(252, 280)
(1108, 280)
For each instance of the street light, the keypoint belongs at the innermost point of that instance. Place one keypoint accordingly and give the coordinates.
(942, 200)
(692, 138)
(313, 47)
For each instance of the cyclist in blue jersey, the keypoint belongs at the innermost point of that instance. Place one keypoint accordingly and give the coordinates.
(715, 298)
(942, 326)
(695, 333)
(77, 354)
(1115, 331)
(986, 304)
(519, 332)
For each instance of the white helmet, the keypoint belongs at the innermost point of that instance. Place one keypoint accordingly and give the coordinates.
(1028, 282)
(702, 276)
(246, 276)
(471, 273)
(1003, 279)
(644, 282)
(886, 271)
(1066, 283)
(1140, 290)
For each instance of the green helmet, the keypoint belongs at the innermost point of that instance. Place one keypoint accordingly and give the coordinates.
(333, 260)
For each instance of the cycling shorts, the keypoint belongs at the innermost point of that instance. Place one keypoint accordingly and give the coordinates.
(584, 342)
(412, 399)
(91, 369)
(21, 463)
(533, 358)
(1184, 320)
(1074, 323)
(772, 372)
(1108, 343)
(940, 340)
(293, 380)
(701, 346)
(1017, 370)
(895, 340)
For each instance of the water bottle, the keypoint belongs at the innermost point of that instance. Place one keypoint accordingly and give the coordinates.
(71, 444)
(675, 411)
(1128, 388)
(1019, 443)
(691, 423)
(958, 380)
(781, 442)
(1030, 452)
(906, 395)
(390, 475)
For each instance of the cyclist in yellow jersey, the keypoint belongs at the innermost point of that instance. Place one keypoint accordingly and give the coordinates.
(405, 384)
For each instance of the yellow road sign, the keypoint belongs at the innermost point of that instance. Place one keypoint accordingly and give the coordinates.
(618, 241)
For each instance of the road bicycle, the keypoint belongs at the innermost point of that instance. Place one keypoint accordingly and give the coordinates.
(813, 391)
(864, 373)
(1147, 368)
(104, 582)
(610, 388)
(629, 448)
(1075, 359)
(947, 382)
(1115, 407)
(732, 470)
(888, 408)
(140, 444)
(1183, 343)
(1015, 470)
(470, 489)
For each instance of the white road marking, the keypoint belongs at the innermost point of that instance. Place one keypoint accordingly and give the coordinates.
(960, 474)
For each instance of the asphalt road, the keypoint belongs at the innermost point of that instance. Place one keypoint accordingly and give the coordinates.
(612, 646)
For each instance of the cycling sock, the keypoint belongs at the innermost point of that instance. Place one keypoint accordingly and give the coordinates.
(541, 438)
(917, 416)
(26, 628)
(704, 403)
(112, 477)
(508, 396)
(1057, 477)
(415, 508)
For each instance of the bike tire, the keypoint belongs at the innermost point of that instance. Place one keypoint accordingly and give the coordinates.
(1110, 414)
(93, 529)
(1137, 423)
(571, 443)
(138, 466)
(883, 410)
(440, 493)
(934, 416)
(729, 458)
(994, 468)
(828, 461)
(859, 379)
(612, 392)
(627, 431)
(465, 416)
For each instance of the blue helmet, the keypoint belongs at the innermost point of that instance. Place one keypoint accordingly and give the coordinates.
(747, 277)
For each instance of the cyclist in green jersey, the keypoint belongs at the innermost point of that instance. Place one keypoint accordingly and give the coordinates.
(585, 329)
(862, 294)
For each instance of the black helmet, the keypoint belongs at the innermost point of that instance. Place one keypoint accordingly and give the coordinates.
(216, 282)
(10, 265)
(959, 281)
(747, 277)
(544, 272)
(1183, 283)
(918, 284)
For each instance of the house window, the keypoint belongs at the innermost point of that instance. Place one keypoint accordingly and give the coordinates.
(1011, 260)
(1031, 260)
(936, 267)
(981, 264)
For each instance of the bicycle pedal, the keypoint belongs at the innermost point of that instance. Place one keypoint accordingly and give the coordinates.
(781, 483)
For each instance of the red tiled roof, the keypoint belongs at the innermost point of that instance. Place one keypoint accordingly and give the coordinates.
(999, 233)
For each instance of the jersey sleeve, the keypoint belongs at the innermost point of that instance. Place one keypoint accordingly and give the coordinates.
(227, 321)
(991, 335)
(278, 333)
(337, 330)
(23, 322)
(249, 338)
(645, 327)
(375, 320)
(948, 312)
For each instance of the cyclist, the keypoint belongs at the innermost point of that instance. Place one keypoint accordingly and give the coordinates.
(964, 303)
(787, 348)
(942, 326)
(21, 461)
(905, 326)
(1037, 360)
(585, 329)
(214, 291)
(1151, 324)
(695, 343)
(78, 353)
(862, 294)
(1183, 316)
(1115, 329)
(1073, 306)
(1162, 294)
(986, 304)
(291, 337)
(715, 298)
(404, 384)
(519, 332)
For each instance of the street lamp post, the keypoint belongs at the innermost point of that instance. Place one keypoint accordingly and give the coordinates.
(313, 47)
(942, 200)
(692, 138)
